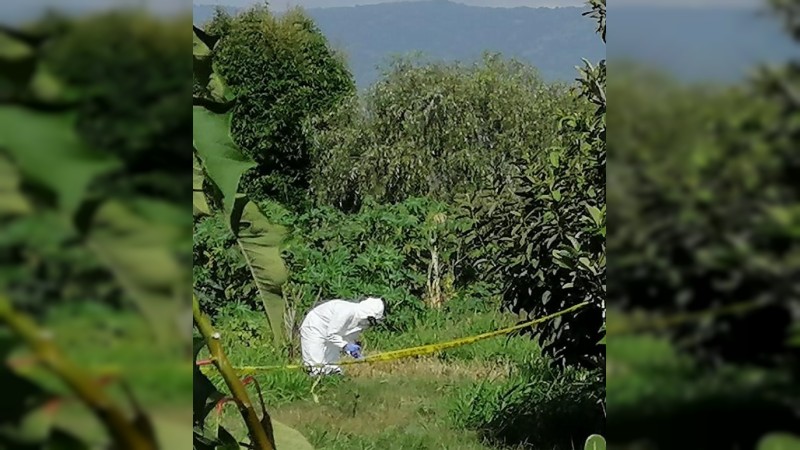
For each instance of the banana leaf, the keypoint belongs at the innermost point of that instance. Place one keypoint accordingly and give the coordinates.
(46, 149)
(141, 255)
(222, 160)
(199, 202)
(260, 243)
(12, 201)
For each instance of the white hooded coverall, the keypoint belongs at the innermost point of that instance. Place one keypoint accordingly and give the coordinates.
(328, 328)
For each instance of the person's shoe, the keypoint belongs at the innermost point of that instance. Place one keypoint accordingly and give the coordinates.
(334, 370)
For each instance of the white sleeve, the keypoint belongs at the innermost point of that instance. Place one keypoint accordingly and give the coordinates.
(336, 326)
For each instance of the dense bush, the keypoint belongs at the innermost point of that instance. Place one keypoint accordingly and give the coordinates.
(282, 71)
(385, 250)
(435, 130)
(540, 408)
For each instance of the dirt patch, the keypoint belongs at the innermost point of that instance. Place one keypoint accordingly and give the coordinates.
(430, 368)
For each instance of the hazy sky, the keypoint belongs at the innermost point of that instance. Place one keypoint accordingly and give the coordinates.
(14, 10)
(282, 4)
(177, 5)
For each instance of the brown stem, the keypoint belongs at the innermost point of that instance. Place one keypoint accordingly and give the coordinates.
(258, 435)
(123, 432)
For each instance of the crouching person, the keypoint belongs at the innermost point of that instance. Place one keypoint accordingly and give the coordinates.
(332, 328)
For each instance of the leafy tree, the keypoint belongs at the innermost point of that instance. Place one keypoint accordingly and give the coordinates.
(435, 130)
(283, 71)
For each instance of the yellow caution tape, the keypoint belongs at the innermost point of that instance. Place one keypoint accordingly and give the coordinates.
(414, 351)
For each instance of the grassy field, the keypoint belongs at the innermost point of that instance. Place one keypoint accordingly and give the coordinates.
(416, 403)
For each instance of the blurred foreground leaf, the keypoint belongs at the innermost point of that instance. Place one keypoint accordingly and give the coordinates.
(779, 441)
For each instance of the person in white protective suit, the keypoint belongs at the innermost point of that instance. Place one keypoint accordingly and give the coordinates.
(332, 328)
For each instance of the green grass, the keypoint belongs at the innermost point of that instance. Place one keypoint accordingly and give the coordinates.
(415, 403)
(393, 405)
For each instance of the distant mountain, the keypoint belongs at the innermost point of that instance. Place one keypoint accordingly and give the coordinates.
(694, 43)
(552, 39)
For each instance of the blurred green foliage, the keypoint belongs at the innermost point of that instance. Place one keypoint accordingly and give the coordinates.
(149, 131)
(704, 211)
(702, 182)
(146, 134)
(92, 212)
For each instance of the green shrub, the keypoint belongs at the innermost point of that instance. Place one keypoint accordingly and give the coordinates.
(541, 407)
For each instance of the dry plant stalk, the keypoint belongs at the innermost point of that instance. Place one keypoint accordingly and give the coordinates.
(258, 435)
(125, 434)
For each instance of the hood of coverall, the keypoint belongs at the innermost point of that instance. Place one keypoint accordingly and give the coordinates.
(371, 307)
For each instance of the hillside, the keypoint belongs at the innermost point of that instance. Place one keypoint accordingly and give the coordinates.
(722, 44)
(552, 39)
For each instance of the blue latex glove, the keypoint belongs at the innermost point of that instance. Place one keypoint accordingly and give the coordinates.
(353, 350)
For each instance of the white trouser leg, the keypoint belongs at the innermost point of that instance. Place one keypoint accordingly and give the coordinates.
(318, 355)
(332, 355)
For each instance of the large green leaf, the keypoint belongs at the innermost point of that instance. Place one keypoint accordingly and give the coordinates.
(288, 438)
(140, 254)
(47, 151)
(17, 59)
(46, 88)
(201, 55)
(199, 202)
(12, 202)
(260, 243)
(218, 89)
(779, 441)
(595, 442)
(222, 160)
